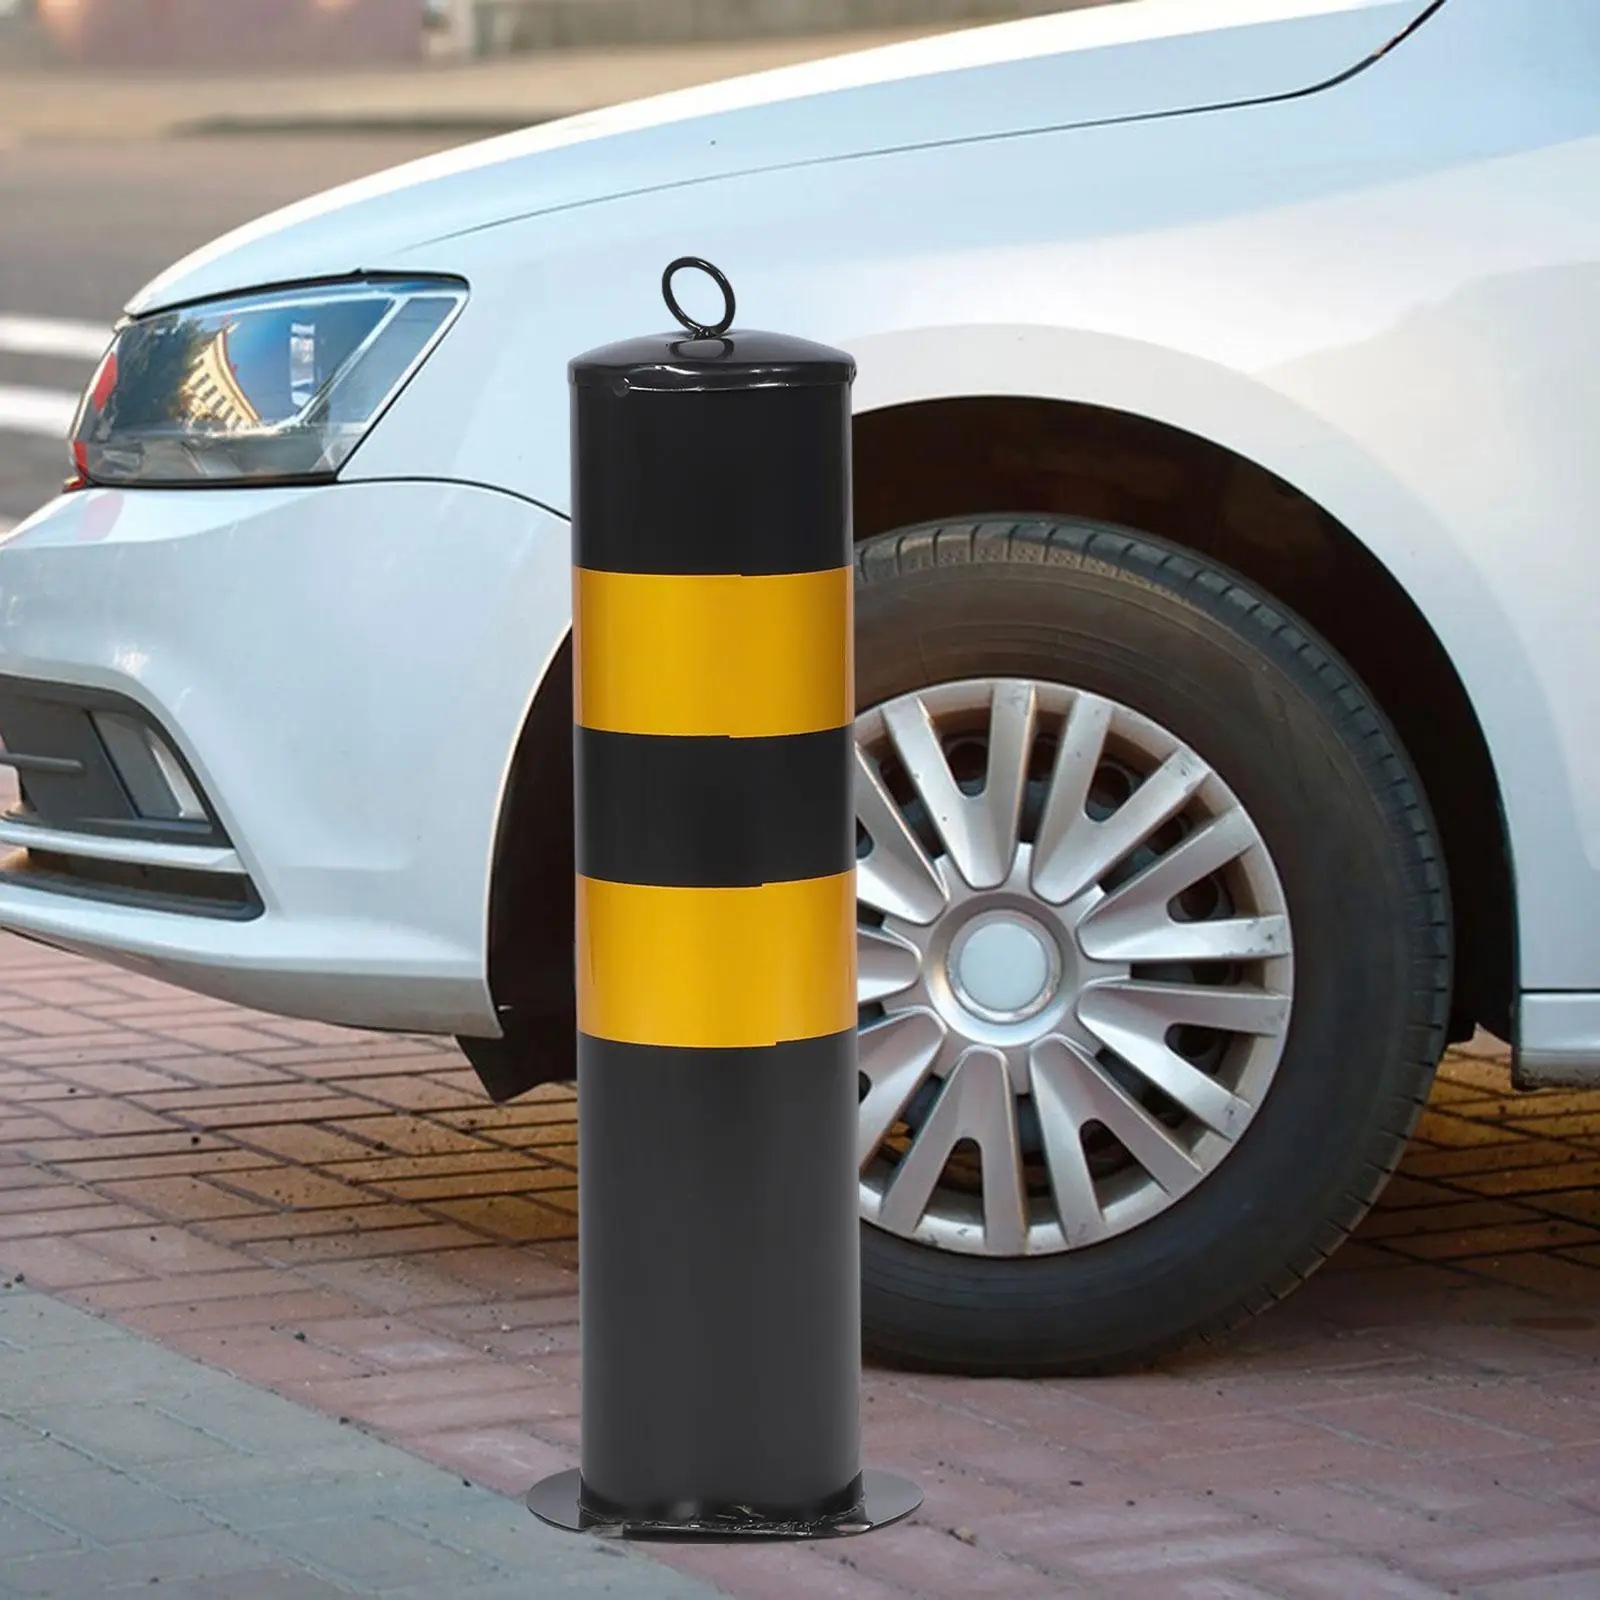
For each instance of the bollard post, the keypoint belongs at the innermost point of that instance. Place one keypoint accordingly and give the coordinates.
(713, 679)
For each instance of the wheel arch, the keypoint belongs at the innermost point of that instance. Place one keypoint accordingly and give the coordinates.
(944, 458)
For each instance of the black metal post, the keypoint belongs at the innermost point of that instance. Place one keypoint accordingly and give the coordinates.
(717, 1087)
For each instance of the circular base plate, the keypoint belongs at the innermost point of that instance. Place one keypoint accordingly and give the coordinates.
(884, 1499)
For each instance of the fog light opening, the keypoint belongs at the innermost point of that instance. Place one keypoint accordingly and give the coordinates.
(153, 776)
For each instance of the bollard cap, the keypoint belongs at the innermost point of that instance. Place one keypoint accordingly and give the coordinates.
(736, 360)
(711, 355)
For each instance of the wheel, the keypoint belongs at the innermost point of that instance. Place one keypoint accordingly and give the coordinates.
(1154, 948)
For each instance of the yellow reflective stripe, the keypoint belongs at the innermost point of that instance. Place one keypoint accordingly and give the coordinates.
(717, 968)
(713, 654)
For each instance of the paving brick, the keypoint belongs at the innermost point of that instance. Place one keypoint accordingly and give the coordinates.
(469, 1316)
(279, 1310)
(622, 1579)
(929, 1562)
(529, 1179)
(1197, 1588)
(1454, 1131)
(322, 1497)
(31, 1090)
(194, 1162)
(1540, 1234)
(1342, 1515)
(1532, 1154)
(381, 1231)
(106, 1116)
(23, 1534)
(119, 1511)
(259, 1583)
(377, 1169)
(527, 1403)
(229, 1036)
(1581, 1206)
(203, 1480)
(184, 1199)
(49, 1022)
(190, 1068)
(1562, 1585)
(1456, 1214)
(127, 1431)
(215, 1556)
(304, 1031)
(276, 1359)
(66, 991)
(305, 1227)
(1555, 1276)
(296, 1189)
(510, 1217)
(110, 1047)
(1350, 1577)
(161, 1248)
(377, 1552)
(385, 1055)
(1466, 1499)
(1494, 1350)
(69, 1153)
(300, 1142)
(498, 1529)
(406, 1135)
(50, 1197)
(389, 1342)
(1053, 1533)
(249, 1114)
(68, 1219)
(190, 1289)
(505, 1271)
(408, 1091)
(42, 1459)
(46, 1376)
(1573, 1126)
(115, 1077)
(777, 1573)
(507, 1458)
(1165, 1554)
(1320, 1454)
(32, 1323)
(475, 1376)
(1533, 1182)
(1522, 1411)
(1576, 1546)
(1415, 1429)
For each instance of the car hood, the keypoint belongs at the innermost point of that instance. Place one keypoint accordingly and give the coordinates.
(1109, 63)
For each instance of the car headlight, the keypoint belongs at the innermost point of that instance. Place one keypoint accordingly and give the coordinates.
(267, 387)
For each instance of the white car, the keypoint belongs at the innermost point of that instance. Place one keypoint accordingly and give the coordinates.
(1228, 500)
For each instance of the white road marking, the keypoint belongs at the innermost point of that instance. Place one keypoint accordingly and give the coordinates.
(46, 413)
(52, 336)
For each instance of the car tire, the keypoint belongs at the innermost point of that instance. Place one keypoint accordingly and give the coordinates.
(1090, 609)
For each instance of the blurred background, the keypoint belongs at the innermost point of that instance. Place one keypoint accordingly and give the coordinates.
(328, 33)
(134, 131)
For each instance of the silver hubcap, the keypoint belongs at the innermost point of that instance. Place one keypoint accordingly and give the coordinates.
(1075, 967)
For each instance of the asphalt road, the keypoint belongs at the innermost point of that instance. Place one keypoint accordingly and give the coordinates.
(84, 225)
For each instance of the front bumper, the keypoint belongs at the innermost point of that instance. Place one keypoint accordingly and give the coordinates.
(344, 672)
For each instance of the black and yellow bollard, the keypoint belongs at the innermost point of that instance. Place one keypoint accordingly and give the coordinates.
(717, 1088)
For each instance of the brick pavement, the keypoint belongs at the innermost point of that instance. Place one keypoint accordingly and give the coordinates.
(124, 1466)
(342, 1218)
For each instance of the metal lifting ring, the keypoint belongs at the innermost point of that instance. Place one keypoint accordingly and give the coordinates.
(701, 330)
